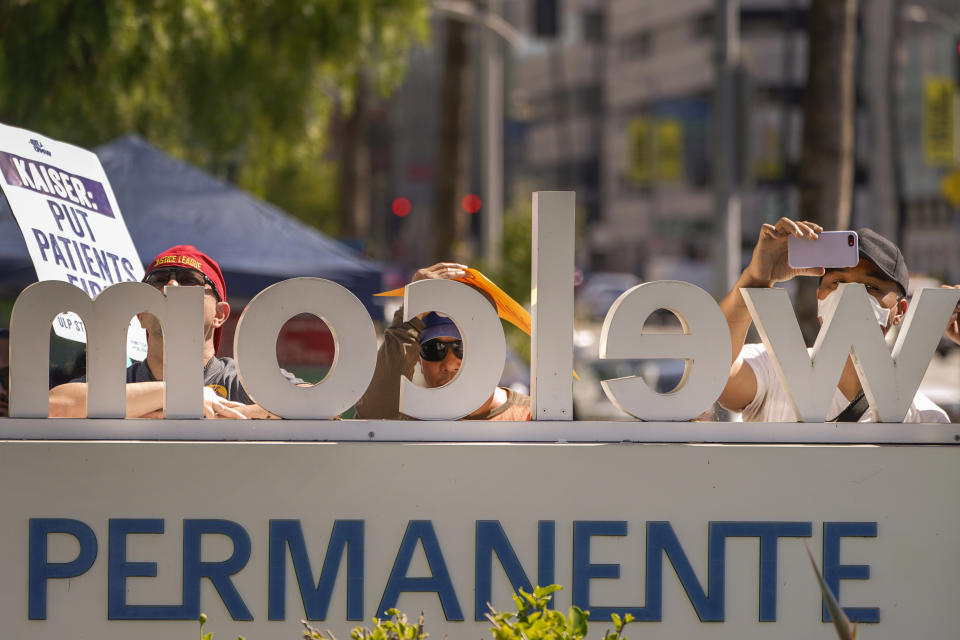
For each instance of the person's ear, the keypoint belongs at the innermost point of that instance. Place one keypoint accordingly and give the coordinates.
(223, 312)
(901, 308)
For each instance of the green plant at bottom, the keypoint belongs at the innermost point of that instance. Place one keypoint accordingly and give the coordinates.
(396, 627)
(208, 635)
(534, 621)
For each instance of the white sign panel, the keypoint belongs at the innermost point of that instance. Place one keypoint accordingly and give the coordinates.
(63, 203)
(116, 540)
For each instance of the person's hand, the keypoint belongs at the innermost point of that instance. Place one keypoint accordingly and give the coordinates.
(442, 271)
(216, 407)
(769, 264)
(256, 412)
(953, 326)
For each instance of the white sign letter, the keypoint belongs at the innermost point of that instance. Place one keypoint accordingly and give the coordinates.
(890, 381)
(551, 358)
(484, 350)
(179, 309)
(255, 348)
(702, 343)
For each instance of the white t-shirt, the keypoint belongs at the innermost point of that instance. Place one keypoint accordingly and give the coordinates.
(771, 403)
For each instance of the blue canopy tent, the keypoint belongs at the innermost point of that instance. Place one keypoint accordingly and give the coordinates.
(167, 202)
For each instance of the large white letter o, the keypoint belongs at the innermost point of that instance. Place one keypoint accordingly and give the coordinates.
(354, 338)
(704, 344)
(484, 350)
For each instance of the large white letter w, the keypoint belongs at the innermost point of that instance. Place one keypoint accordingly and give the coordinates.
(890, 380)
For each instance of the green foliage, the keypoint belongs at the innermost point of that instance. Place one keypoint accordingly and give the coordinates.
(534, 621)
(208, 635)
(243, 89)
(396, 627)
(513, 274)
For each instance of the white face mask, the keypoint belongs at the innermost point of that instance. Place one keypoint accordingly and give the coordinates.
(828, 306)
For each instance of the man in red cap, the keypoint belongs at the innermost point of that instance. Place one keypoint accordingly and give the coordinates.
(224, 397)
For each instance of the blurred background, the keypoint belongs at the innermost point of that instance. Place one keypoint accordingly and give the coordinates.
(413, 131)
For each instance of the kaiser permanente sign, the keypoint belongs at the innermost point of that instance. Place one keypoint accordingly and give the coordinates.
(113, 539)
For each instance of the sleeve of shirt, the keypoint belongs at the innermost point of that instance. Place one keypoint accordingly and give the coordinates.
(397, 356)
(927, 411)
(239, 394)
(756, 356)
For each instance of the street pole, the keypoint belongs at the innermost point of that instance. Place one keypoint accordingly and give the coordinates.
(495, 29)
(492, 209)
(726, 152)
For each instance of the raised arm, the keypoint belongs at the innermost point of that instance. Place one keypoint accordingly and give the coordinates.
(767, 267)
(70, 400)
(144, 400)
(397, 356)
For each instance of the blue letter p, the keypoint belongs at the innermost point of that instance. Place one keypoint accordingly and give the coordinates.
(41, 570)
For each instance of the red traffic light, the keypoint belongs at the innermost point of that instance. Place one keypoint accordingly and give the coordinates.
(471, 203)
(401, 207)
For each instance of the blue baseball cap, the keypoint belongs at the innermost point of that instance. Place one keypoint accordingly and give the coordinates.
(437, 326)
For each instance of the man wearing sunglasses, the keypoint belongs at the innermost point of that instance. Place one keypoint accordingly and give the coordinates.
(434, 341)
(224, 397)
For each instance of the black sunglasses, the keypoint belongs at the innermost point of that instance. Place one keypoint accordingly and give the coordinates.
(185, 277)
(435, 350)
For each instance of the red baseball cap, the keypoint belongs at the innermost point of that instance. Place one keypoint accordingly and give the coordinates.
(186, 256)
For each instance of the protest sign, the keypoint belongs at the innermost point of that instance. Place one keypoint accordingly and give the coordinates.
(70, 220)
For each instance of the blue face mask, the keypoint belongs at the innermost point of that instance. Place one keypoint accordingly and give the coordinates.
(828, 306)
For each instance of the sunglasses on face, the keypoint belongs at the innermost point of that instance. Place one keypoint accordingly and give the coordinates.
(184, 277)
(435, 350)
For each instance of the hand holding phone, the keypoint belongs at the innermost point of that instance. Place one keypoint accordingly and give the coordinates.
(832, 249)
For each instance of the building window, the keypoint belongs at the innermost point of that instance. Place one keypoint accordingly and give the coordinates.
(592, 25)
(703, 26)
(637, 45)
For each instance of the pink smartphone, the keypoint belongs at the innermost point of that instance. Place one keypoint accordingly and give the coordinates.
(831, 249)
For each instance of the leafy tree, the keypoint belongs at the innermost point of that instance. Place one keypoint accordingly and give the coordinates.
(244, 89)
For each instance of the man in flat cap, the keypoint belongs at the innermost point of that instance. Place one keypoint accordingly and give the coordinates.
(753, 386)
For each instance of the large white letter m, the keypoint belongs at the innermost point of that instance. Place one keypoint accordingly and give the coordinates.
(179, 309)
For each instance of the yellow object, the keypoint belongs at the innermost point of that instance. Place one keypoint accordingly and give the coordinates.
(939, 121)
(507, 308)
(669, 150)
(950, 187)
(641, 149)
